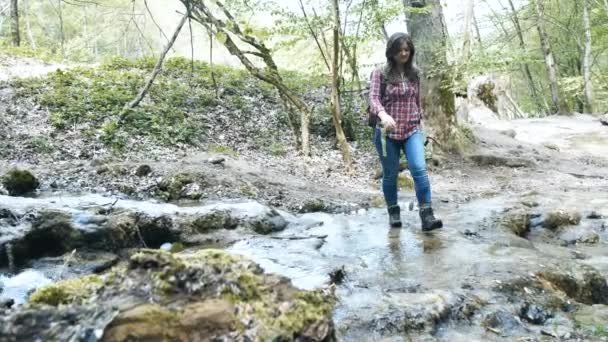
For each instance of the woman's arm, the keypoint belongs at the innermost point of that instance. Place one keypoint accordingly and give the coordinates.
(375, 99)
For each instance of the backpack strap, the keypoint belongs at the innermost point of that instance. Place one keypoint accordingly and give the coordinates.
(382, 86)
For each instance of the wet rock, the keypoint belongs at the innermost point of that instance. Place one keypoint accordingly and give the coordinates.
(534, 314)
(192, 191)
(143, 170)
(530, 204)
(585, 285)
(604, 120)
(594, 215)
(51, 234)
(313, 206)
(7, 217)
(559, 326)
(517, 221)
(6, 303)
(468, 308)
(421, 313)
(209, 295)
(591, 315)
(214, 220)
(337, 276)
(19, 182)
(76, 263)
(176, 185)
(559, 218)
(217, 160)
(270, 223)
(494, 160)
(509, 132)
(127, 229)
(580, 235)
(502, 320)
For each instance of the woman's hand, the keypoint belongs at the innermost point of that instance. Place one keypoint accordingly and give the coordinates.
(387, 121)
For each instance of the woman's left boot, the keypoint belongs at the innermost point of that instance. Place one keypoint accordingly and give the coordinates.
(429, 222)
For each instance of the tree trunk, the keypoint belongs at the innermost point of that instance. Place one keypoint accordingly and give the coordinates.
(481, 48)
(335, 97)
(589, 105)
(15, 36)
(154, 73)
(559, 105)
(61, 32)
(525, 66)
(429, 34)
(466, 44)
(28, 25)
(224, 31)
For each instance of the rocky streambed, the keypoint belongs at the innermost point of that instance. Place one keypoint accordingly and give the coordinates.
(504, 268)
(523, 256)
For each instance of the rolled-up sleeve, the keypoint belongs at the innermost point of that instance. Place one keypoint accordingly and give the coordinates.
(374, 93)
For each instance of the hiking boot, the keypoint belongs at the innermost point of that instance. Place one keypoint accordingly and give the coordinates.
(429, 222)
(394, 216)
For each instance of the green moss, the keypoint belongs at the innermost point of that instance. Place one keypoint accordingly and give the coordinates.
(558, 218)
(377, 202)
(279, 324)
(18, 182)
(223, 149)
(67, 291)
(174, 184)
(213, 221)
(313, 206)
(277, 149)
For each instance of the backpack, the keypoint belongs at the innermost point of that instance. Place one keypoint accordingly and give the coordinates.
(372, 120)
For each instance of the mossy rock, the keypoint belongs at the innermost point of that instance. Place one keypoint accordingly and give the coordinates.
(210, 293)
(51, 234)
(128, 229)
(559, 218)
(214, 220)
(405, 182)
(377, 201)
(586, 285)
(517, 221)
(174, 185)
(67, 291)
(19, 182)
(272, 222)
(313, 206)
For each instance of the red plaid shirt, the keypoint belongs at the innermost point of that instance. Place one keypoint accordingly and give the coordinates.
(401, 101)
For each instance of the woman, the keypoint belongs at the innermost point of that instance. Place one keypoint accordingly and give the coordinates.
(399, 128)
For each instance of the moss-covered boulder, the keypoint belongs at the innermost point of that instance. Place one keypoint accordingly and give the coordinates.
(313, 206)
(214, 220)
(559, 218)
(517, 221)
(19, 182)
(271, 222)
(585, 284)
(210, 295)
(51, 234)
(183, 185)
(129, 229)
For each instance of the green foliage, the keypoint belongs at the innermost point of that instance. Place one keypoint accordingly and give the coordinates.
(41, 145)
(277, 149)
(223, 149)
(93, 98)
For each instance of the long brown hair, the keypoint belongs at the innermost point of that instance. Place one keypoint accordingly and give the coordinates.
(392, 48)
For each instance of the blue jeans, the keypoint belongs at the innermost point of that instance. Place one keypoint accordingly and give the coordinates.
(413, 147)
